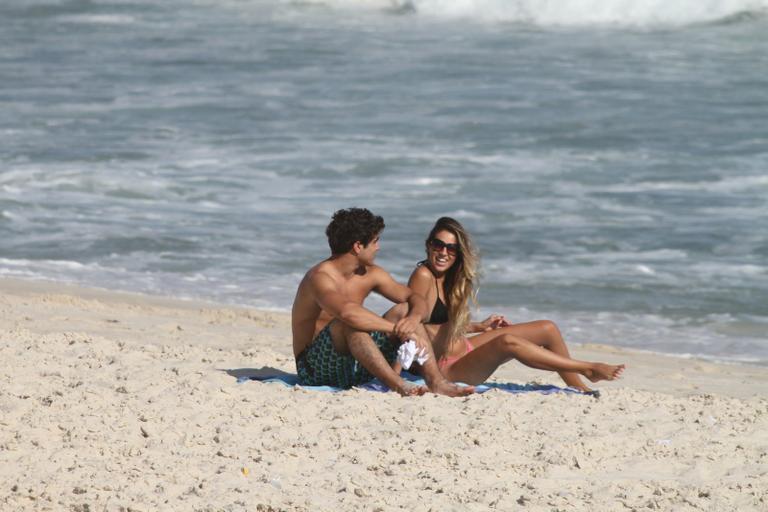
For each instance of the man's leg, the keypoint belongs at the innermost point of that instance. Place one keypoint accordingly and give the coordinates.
(362, 347)
(394, 315)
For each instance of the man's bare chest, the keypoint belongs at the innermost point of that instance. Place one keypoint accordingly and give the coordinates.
(356, 289)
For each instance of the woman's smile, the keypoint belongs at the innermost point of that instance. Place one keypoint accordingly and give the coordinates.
(442, 251)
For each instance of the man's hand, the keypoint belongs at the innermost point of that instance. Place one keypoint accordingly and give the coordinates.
(405, 328)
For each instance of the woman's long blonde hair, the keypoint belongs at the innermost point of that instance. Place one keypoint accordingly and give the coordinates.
(459, 284)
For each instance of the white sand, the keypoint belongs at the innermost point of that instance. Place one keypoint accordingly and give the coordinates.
(121, 402)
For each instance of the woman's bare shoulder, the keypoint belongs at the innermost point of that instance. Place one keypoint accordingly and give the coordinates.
(421, 275)
(422, 271)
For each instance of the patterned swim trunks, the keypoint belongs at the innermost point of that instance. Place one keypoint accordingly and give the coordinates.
(320, 365)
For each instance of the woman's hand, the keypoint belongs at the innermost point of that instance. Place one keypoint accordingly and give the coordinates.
(492, 322)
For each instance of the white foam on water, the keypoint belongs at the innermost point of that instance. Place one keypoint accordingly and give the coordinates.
(663, 266)
(466, 214)
(645, 269)
(210, 205)
(15, 191)
(421, 182)
(99, 19)
(657, 255)
(22, 263)
(726, 184)
(684, 337)
(586, 270)
(195, 278)
(567, 12)
(730, 271)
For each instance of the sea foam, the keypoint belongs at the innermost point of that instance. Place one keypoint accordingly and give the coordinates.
(573, 12)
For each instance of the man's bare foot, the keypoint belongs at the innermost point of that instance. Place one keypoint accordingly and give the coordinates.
(408, 389)
(447, 388)
(602, 371)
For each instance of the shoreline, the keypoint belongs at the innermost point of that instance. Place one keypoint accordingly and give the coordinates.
(115, 401)
(43, 285)
(687, 373)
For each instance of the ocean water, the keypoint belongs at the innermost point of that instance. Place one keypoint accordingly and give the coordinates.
(610, 157)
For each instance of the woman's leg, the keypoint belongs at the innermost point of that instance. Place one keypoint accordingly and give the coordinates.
(543, 333)
(397, 312)
(480, 363)
(436, 381)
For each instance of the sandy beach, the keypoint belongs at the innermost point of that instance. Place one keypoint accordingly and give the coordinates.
(118, 402)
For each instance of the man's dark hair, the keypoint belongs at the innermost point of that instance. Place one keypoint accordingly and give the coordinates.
(352, 225)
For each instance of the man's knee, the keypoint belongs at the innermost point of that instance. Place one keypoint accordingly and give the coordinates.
(356, 337)
(343, 336)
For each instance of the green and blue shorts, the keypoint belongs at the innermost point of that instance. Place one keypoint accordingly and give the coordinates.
(321, 365)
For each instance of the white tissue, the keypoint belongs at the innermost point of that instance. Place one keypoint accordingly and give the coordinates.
(408, 352)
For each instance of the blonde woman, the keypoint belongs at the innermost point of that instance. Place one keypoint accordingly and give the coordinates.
(471, 351)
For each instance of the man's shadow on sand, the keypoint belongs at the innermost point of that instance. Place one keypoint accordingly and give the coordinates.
(263, 373)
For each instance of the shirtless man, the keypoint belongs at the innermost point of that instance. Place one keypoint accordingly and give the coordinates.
(336, 341)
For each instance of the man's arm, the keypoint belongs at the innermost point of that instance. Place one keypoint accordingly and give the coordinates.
(350, 313)
(398, 293)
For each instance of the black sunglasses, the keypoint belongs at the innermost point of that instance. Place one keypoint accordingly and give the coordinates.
(439, 245)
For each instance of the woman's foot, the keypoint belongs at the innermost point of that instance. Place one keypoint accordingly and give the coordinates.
(448, 388)
(410, 389)
(602, 371)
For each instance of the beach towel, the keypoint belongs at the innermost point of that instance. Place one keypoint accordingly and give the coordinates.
(267, 374)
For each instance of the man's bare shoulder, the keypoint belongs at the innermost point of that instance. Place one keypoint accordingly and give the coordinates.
(375, 273)
(317, 277)
(323, 270)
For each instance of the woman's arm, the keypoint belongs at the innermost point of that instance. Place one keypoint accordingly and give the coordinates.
(422, 283)
(489, 324)
(475, 327)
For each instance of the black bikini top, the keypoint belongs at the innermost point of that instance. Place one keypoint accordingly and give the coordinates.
(440, 311)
